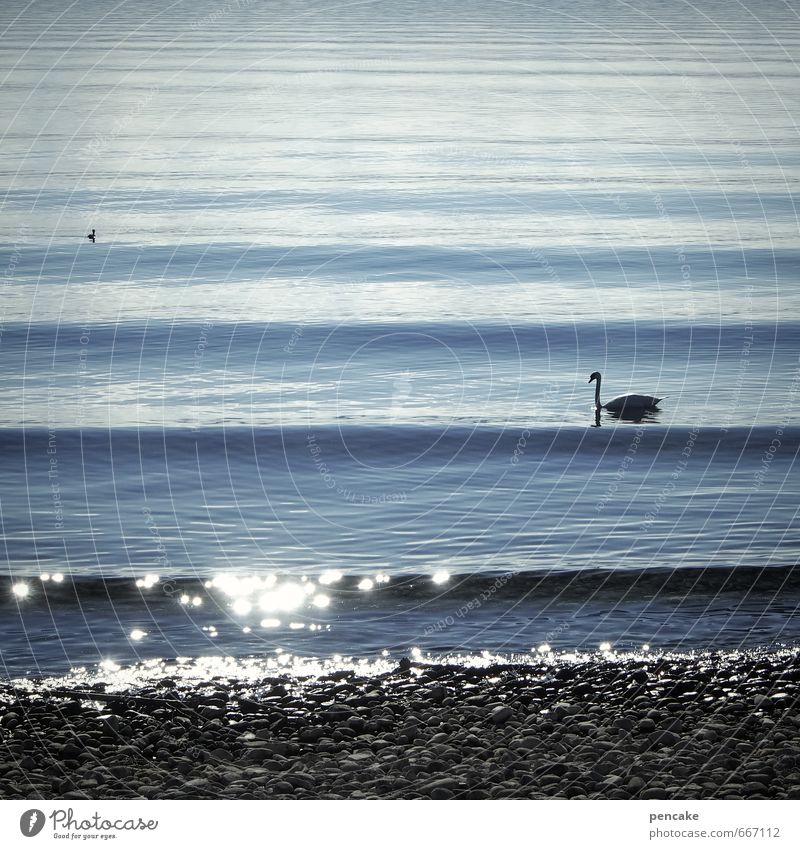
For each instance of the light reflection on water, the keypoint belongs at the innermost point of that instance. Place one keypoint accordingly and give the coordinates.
(256, 676)
(138, 620)
(288, 238)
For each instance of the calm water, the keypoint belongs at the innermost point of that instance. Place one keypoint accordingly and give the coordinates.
(321, 384)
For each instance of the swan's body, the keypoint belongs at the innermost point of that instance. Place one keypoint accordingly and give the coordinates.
(631, 403)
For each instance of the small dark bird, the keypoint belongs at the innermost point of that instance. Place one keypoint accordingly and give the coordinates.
(91, 236)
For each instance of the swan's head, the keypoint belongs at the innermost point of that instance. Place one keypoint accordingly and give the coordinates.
(595, 375)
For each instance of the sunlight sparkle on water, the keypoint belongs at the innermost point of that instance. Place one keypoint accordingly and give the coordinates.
(235, 586)
(57, 577)
(330, 577)
(148, 581)
(441, 577)
(366, 584)
(605, 646)
(270, 623)
(21, 589)
(242, 606)
(138, 634)
(271, 595)
(285, 597)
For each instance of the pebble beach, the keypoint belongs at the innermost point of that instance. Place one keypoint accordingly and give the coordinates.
(603, 726)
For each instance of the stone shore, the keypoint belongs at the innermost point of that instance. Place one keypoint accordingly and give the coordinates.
(718, 725)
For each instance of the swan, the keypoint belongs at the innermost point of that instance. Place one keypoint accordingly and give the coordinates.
(625, 403)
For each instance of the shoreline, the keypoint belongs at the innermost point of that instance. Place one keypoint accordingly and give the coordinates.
(600, 726)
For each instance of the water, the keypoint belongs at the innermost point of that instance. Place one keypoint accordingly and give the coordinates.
(321, 384)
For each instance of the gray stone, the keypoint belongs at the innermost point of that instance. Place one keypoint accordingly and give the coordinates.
(441, 793)
(664, 738)
(501, 714)
(526, 744)
(562, 709)
(437, 693)
(654, 793)
(311, 735)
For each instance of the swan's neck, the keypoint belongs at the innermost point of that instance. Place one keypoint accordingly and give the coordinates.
(597, 403)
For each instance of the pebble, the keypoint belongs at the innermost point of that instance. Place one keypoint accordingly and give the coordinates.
(563, 730)
(501, 714)
(664, 738)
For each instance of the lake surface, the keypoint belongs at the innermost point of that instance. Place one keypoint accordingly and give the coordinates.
(321, 384)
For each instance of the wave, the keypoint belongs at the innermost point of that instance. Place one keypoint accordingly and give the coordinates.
(366, 263)
(564, 585)
(677, 202)
(371, 444)
(146, 340)
(139, 335)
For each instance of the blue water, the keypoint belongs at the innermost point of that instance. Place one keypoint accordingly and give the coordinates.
(321, 385)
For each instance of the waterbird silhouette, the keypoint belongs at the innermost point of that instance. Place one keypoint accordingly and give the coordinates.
(631, 405)
(91, 236)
